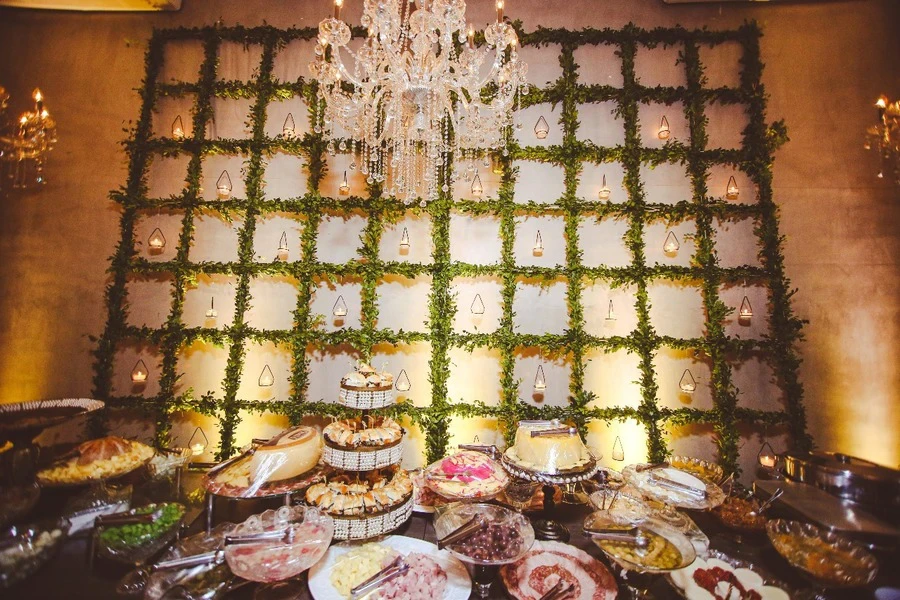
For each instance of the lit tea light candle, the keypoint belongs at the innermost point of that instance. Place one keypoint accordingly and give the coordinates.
(540, 382)
(266, 378)
(688, 384)
(339, 310)
(178, 128)
(618, 452)
(731, 190)
(477, 188)
(746, 311)
(604, 190)
(671, 246)
(157, 240)
(197, 449)
(212, 313)
(538, 249)
(344, 188)
(541, 128)
(664, 131)
(404, 241)
(289, 129)
(223, 186)
(768, 461)
(198, 442)
(140, 372)
(403, 384)
(282, 253)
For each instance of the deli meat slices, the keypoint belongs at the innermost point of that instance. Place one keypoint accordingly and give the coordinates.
(546, 563)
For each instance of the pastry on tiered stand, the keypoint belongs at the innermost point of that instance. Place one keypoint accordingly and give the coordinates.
(363, 443)
(366, 389)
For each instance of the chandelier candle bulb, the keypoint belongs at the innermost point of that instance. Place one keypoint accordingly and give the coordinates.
(688, 384)
(38, 102)
(223, 186)
(664, 130)
(266, 378)
(140, 372)
(500, 11)
(344, 189)
(538, 249)
(339, 310)
(541, 128)
(178, 128)
(731, 190)
(471, 36)
(540, 382)
(746, 311)
(338, 4)
(671, 245)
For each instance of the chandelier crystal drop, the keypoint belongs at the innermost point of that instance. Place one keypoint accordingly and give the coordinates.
(418, 94)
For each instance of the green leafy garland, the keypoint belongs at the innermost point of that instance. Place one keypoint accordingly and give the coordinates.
(760, 140)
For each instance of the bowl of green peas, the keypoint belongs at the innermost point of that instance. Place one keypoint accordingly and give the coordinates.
(134, 543)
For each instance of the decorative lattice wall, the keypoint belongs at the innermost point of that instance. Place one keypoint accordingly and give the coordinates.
(643, 223)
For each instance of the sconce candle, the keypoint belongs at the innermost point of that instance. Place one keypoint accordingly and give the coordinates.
(404, 240)
(178, 128)
(289, 129)
(604, 190)
(688, 384)
(339, 309)
(345, 186)
(140, 372)
(477, 188)
(664, 130)
(541, 128)
(403, 384)
(266, 378)
(538, 249)
(731, 190)
(746, 311)
(540, 382)
(157, 240)
(766, 456)
(671, 246)
(223, 186)
(282, 247)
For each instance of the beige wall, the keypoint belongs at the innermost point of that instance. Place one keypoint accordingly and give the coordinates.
(824, 68)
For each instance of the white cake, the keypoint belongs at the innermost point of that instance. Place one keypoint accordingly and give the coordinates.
(548, 453)
(292, 454)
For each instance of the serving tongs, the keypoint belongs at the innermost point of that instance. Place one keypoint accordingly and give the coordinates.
(650, 467)
(135, 581)
(677, 486)
(117, 519)
(561, 590)
(397, 567)
(255, 444)
(554, 431)
(768, 503)
(629, 536)
(462, 532)
(284, 536)
(489, 449)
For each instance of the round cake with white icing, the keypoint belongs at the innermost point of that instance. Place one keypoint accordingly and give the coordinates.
(548, 447)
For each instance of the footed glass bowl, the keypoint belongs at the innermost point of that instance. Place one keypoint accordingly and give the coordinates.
(24, 550)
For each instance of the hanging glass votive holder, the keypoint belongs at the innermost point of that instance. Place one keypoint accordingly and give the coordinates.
(618, 451)
(496, 165)
(212, 313)
(402, 384)
(198, 442)
(178, 128)
(140, 372)
(540, 382)
(266, 377)
(344, 189)
(477, 188)
(404, 241)
(732, 192)
(156, 241)
(605, 192)
(541, 128)
(282, 253)
(477, 305)
(688, 384)
(289, 129)
(746, 311)
(671, 244)
(610, 312)
(663, 132)
(538, 249)
(223, 186)
(766, 457)
(339, 310)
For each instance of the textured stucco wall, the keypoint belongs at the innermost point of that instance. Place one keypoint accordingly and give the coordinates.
(824, 68)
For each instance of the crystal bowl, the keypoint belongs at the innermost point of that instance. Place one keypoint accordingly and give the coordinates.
(24, 550)
(507, 536)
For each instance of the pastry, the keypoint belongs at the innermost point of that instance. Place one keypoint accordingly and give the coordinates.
(365, 388)
(369, 432)
(549, 453)
(293, 453)
(466, 474)
(379, 491)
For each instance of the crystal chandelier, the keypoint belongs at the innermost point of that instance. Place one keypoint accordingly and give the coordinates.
(418, 94)
(885, 137)
(25, 143)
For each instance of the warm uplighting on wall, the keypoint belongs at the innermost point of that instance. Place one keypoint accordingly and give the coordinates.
(282, 253)
(198, 442)
(732, 192)
(688, 384)
(140, 372)
(477, 188)
(344, 189)
(538, 249)
(223, 186)
(289, 129)
(157, 241)
(403, 384)
(212, 313)
(746, 311)
(663, 132)
(671, 244)
(266, 377)
(477, 305)
(618, 452)
(540, 382)
(339, 310)
(178, 128)
(541, 128)
(604, 190)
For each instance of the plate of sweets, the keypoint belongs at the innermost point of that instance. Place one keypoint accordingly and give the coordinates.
(466, 475)
(550, 565)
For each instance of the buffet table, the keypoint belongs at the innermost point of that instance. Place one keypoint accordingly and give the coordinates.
(68, 574)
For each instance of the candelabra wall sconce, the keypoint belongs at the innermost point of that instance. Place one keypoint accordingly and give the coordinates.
(25, 144)
(884, 138)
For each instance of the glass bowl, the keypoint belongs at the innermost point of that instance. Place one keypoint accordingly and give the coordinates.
(466, 475)
(507, 536)
(24, 550)
(668, 550)
(703, 469)
(274, 560)
(829, 559)
(135, 543)
(16, 501)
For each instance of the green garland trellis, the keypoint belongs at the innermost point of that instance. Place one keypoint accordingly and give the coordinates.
(760, 140)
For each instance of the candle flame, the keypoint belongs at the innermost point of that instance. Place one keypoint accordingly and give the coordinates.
(881, 102)
(38, 96)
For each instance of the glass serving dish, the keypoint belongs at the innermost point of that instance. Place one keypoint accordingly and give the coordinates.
(466, 475)
(16, 501)
(300, 537)
(830, 560)
(134, 543)
(722, 572)
(504, 538)
(24, 550)
(703, 469)
(674, 487)
(667, 548)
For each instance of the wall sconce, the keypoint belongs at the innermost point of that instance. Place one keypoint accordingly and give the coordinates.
(140, 372)
(604, 190)
(289, 129)
(223, 186)
(610, 313)
(766, 456)
(477, 188)
(884, 137)
(157, 241)
(540, 382)
(732, 192)
(339, 310)
(266, 378)
(178, 128)
(344, 189)
(618, 452)
(212, 313)
(541, 128)
(746, 311)
(688, 384)
(671, 245)
(404, 241)
(477, 305)
(402, 384)
(30, 139)
(538, 249)
(282, 253)
(198, 442)
(664, 131)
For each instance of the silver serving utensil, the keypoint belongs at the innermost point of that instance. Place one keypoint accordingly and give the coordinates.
(565, 591)
(650, 467)
(396, 568)
(554, 431)
(630, 536)
(134, 582)
(768, 503)
(489, 449)
(553, 591)
(677, 486)
(284, 536)
(462, 532)
(115, 520)
(533, 422)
